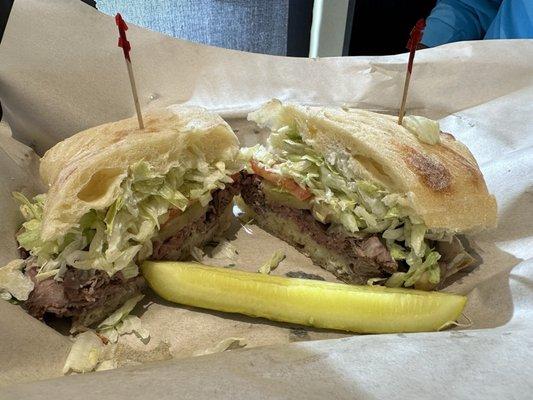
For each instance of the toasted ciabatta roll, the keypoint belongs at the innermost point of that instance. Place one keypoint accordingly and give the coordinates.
(118, 195)
(364, 196)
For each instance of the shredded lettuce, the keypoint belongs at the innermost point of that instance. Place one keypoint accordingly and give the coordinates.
(197, 253)
(106, 365)
(120, 322)
(374, 281)
(425, 129)
(118, 238)
(417, 268)
(417, 243)
(226, 344)
(225, 249)
(359, 206)
(13, 282)
(119, 314)
(397, 279)
(130, 324)
(272, 263)
(85, 353)
(397, 252)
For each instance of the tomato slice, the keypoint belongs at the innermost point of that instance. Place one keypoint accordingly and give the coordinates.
(286, 183)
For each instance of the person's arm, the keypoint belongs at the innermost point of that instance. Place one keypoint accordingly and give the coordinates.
(456, 20)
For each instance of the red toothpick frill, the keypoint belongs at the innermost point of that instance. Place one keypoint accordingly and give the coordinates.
(126, 47)
(414, 40)
(122, 39)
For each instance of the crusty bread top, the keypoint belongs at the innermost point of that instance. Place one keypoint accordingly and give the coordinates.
(85, 171)
(442, 182)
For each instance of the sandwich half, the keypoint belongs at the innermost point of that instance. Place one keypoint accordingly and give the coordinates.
(118, 195)
(364, 197)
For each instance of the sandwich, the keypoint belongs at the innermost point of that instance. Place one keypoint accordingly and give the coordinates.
(116, 196)
(365, 198)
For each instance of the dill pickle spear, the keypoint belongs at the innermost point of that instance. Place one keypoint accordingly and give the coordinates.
(362, 309)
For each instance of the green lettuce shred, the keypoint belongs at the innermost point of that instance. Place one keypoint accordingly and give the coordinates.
(120, 322)
(13, 282)
(426, 130)
(85, 354)
(272, 263)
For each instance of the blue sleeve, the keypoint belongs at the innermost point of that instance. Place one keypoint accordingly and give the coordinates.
(514, 21)
(456, 20)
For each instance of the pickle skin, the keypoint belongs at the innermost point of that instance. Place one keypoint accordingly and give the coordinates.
(360, 309)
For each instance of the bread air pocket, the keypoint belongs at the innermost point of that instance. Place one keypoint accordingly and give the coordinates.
(74, 193)
(101, 186)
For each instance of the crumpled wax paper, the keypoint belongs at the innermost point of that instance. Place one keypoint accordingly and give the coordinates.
(66, 74)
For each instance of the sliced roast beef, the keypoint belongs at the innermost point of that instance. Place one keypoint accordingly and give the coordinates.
(47, 296)
(222, 198)
(368, 250)
(85, 295)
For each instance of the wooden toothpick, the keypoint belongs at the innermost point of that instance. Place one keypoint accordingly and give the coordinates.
(126, 47)
(412, 44)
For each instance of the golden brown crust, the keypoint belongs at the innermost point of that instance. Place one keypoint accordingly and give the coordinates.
(431, 172)
(442, 183)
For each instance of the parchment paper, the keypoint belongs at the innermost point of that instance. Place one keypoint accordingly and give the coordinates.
(66, 74)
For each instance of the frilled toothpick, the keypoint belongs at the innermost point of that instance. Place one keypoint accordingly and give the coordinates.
(126, 47)
(412, 44)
